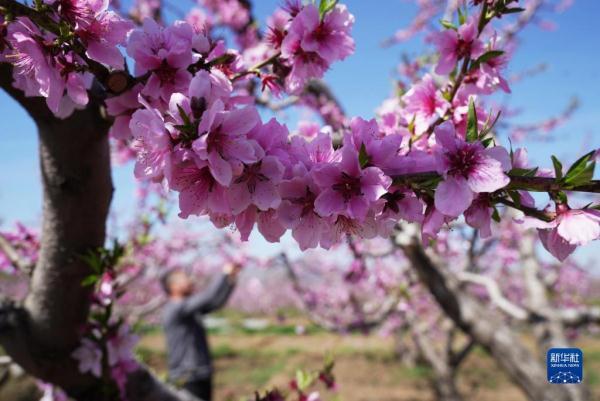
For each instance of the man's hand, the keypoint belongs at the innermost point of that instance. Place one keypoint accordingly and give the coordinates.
(232, 269)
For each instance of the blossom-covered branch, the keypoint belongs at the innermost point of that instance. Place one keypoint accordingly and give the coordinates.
(187, 117)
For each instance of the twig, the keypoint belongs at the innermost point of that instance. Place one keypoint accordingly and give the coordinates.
(13, 255)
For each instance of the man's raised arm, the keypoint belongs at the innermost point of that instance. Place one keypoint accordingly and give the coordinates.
(215, 296)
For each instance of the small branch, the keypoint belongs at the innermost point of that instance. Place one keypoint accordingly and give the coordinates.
(13, 255)
(495, 294)
(35, 106)
(524, 18)
(273, 106)
(535, 184)
(256, 68)
(317, 94)
(387, 307)
(456, 358)
(472, 254)
(548, 184)
(580, 317)
(528, 211)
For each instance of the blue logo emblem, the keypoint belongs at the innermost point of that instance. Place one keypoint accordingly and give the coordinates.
(565, 365)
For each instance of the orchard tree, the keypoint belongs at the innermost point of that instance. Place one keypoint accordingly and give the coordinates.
(372, 285)
(126, 283)
(185, 106)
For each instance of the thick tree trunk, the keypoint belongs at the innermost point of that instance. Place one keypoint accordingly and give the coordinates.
(487, 329)
(443, 375)
(41, 334)
(77, 189)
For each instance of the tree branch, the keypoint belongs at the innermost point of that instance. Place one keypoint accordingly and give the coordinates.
(35, 106)
(495, 294)
(535, 184)
(481, 325)
(456, 358)
(580, 317)
(13, 255)
(384, 311)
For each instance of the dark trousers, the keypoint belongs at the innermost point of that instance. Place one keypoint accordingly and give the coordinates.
(201, 388)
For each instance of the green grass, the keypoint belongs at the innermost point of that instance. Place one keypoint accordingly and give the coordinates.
(419, 372)
(261, 375)
(236, 327)
(225, 351)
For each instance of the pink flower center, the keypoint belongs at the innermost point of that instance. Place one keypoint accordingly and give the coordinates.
(429, 104)
(215, 141)
(166, 73)
(307, 202)
(275, 37)
(463, 48)
(321, 33)
(464, 161)
(348, 186)
(252, 176)
(206, 177)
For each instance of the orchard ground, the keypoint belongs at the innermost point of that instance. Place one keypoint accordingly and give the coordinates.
(367, 367)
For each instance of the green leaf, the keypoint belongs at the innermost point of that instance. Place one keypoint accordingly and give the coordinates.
(581, 161)
(363, 158)
(411, 125)
(325, 6)
(447, 24)
(558, 167)
(487, 56)
(226, 58)
(305, 379)
(516, 197)
(90, 280)
(462, 17)
(472, 133)
(581, 176)
(531, 172)
(562, 197)
(513, 10)
(496, 215)
(183, 115)
(487, 128)
(582, 171)
(524, 172)
(487, 142)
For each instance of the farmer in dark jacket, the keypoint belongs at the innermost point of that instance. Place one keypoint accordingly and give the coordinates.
(188, 353)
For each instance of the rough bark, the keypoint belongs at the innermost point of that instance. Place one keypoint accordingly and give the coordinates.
(485, 327)
(41, 334)
(77, 190)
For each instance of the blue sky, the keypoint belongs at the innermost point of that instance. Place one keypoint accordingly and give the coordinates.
(363, 81)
